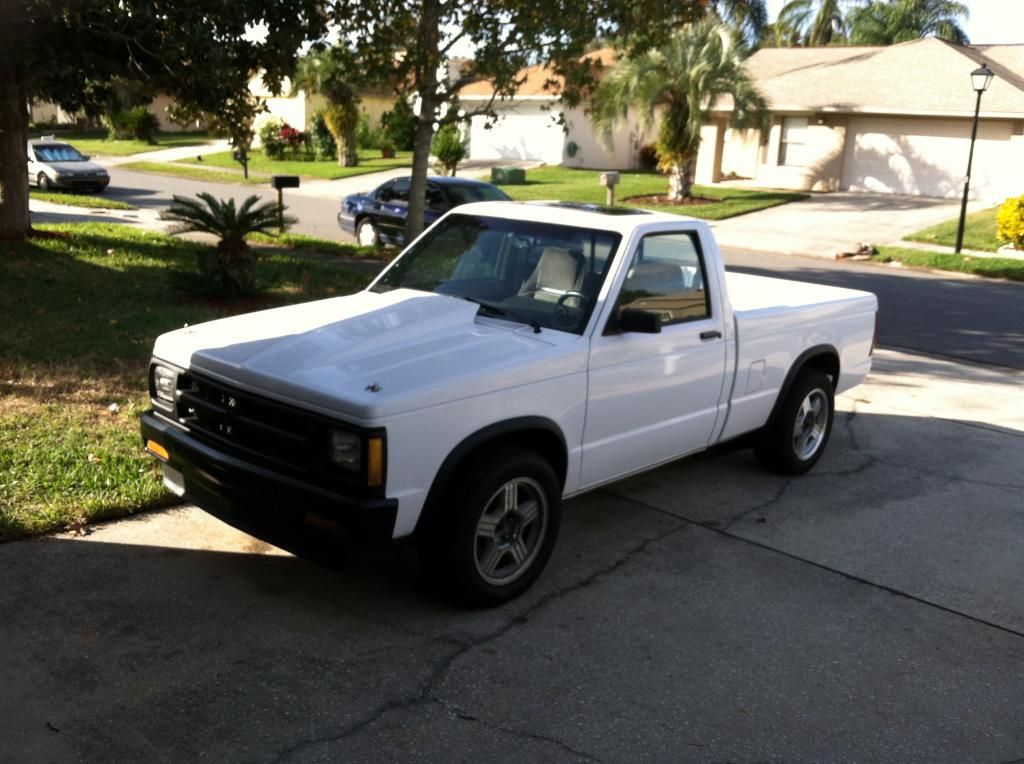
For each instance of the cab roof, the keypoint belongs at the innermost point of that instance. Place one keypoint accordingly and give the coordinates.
(620, 219)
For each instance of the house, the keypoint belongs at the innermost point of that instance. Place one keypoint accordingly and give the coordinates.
(528, 124)
(894, 120)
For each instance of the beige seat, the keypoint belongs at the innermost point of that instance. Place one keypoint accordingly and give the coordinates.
(558, 272)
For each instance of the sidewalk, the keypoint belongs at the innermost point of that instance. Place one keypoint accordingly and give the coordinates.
(165, 155)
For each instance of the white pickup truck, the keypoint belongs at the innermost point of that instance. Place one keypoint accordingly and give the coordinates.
(512, 356)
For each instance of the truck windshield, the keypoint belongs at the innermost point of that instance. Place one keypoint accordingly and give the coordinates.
(541, 274)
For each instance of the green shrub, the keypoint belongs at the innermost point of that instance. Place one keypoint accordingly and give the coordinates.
(1010, 222)
(449, 147)
(647, 157)
(138, 124)
(400, 125)
(367, 135)
(270, 136)
(323, 143)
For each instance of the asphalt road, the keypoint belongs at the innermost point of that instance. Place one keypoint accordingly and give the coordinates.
(977, 320)
(972, 319)
(317, 217)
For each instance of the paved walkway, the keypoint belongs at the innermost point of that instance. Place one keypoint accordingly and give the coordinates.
(828, 224)
(165, 155)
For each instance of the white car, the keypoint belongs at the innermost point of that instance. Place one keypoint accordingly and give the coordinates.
(56, 165)
(514, 355)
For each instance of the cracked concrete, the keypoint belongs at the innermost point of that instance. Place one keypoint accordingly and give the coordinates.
(706, 611)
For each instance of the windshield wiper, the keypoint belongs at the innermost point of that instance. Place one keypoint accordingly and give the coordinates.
(496, 310)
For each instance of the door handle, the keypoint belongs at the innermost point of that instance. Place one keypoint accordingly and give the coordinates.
(712, 334)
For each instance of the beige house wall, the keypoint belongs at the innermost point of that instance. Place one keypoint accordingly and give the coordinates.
(620, 153)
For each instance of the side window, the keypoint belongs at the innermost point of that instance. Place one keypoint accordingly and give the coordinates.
(791, 143)
(400, 191)
(667, 277)
(435, 198)
(384, 193)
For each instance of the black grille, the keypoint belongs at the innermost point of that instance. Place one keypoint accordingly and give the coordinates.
(249, 425)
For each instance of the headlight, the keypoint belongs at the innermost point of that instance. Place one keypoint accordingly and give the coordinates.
(345, 449)
(164, 382)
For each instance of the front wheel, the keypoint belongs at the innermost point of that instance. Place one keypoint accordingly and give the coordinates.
(496, 527)
(367, 234)
(43, 182)
(795, 438)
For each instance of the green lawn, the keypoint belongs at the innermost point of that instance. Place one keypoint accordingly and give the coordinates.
(582, 186)
(95, 143)
(81, 309)
(979, 232)
(80, 200)
(369, 161)
(303, 243)
(197, 173)
(993, 267)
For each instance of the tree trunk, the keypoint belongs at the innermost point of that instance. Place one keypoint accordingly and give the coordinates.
(427, 86)
(14, 219)
(680, 181)
(351, 147)
(420, 166)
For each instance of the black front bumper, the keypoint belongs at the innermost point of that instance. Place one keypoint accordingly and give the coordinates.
(280, 509)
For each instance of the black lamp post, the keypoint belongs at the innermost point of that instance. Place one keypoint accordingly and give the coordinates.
(980, 80)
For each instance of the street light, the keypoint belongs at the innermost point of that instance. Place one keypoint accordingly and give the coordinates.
(981, 78)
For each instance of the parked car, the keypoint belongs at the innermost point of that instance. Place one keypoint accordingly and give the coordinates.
(378, 217)
(515, 355)
(53, 164)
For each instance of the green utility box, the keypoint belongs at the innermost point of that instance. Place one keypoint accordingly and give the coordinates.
(508, 176)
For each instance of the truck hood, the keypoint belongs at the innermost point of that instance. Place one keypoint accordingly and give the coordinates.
(371, 355)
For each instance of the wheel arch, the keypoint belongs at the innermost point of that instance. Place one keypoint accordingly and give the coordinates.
(824, 358)
(538, 434)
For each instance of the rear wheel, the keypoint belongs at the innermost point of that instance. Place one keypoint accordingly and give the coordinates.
(367, 234)
(496, 528)
(795, 439)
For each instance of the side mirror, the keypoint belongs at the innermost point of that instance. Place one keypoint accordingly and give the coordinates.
(640, 321)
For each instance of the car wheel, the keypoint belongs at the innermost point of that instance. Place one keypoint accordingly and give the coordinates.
(43, 182)
(367, 234)
(796, 437)
(496, 529)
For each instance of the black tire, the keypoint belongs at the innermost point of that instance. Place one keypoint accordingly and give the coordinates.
(43, 182)
(495, 527)
(367, 233)
(793, 441)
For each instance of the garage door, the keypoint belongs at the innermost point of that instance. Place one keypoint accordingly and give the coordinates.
(526, 133)
(925, 157)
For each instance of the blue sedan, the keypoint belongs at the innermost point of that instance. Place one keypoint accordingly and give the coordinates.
(378, 217)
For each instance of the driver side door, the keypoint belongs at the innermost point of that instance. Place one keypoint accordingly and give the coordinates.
(653, 397)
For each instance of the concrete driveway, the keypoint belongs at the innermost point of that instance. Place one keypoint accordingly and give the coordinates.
(827, 224)
(707, 611)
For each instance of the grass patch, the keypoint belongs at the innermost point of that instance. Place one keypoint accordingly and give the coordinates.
(304, 243)
(95, 143)
(80, 200)
(196, 173)
(83, 305)
(369, 161)
(979, 232)
(993, 267)
(572, 185)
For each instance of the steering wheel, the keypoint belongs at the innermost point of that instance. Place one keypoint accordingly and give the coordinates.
(562, 317)
(563, 297)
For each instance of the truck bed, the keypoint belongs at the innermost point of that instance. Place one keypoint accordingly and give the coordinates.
(775, 321)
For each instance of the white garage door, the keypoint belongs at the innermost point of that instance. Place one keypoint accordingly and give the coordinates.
(924, 157)
(525, 133)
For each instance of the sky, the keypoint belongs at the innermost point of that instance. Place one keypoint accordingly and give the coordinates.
(990, 22)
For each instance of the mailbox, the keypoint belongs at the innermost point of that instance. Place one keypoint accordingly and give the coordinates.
(609, 180)
(284, 181)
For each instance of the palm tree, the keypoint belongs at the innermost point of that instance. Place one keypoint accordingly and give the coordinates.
(810, 22)
(747, 17)
(232, 268)
(894, 21)
(700, 64)
(325, 71)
